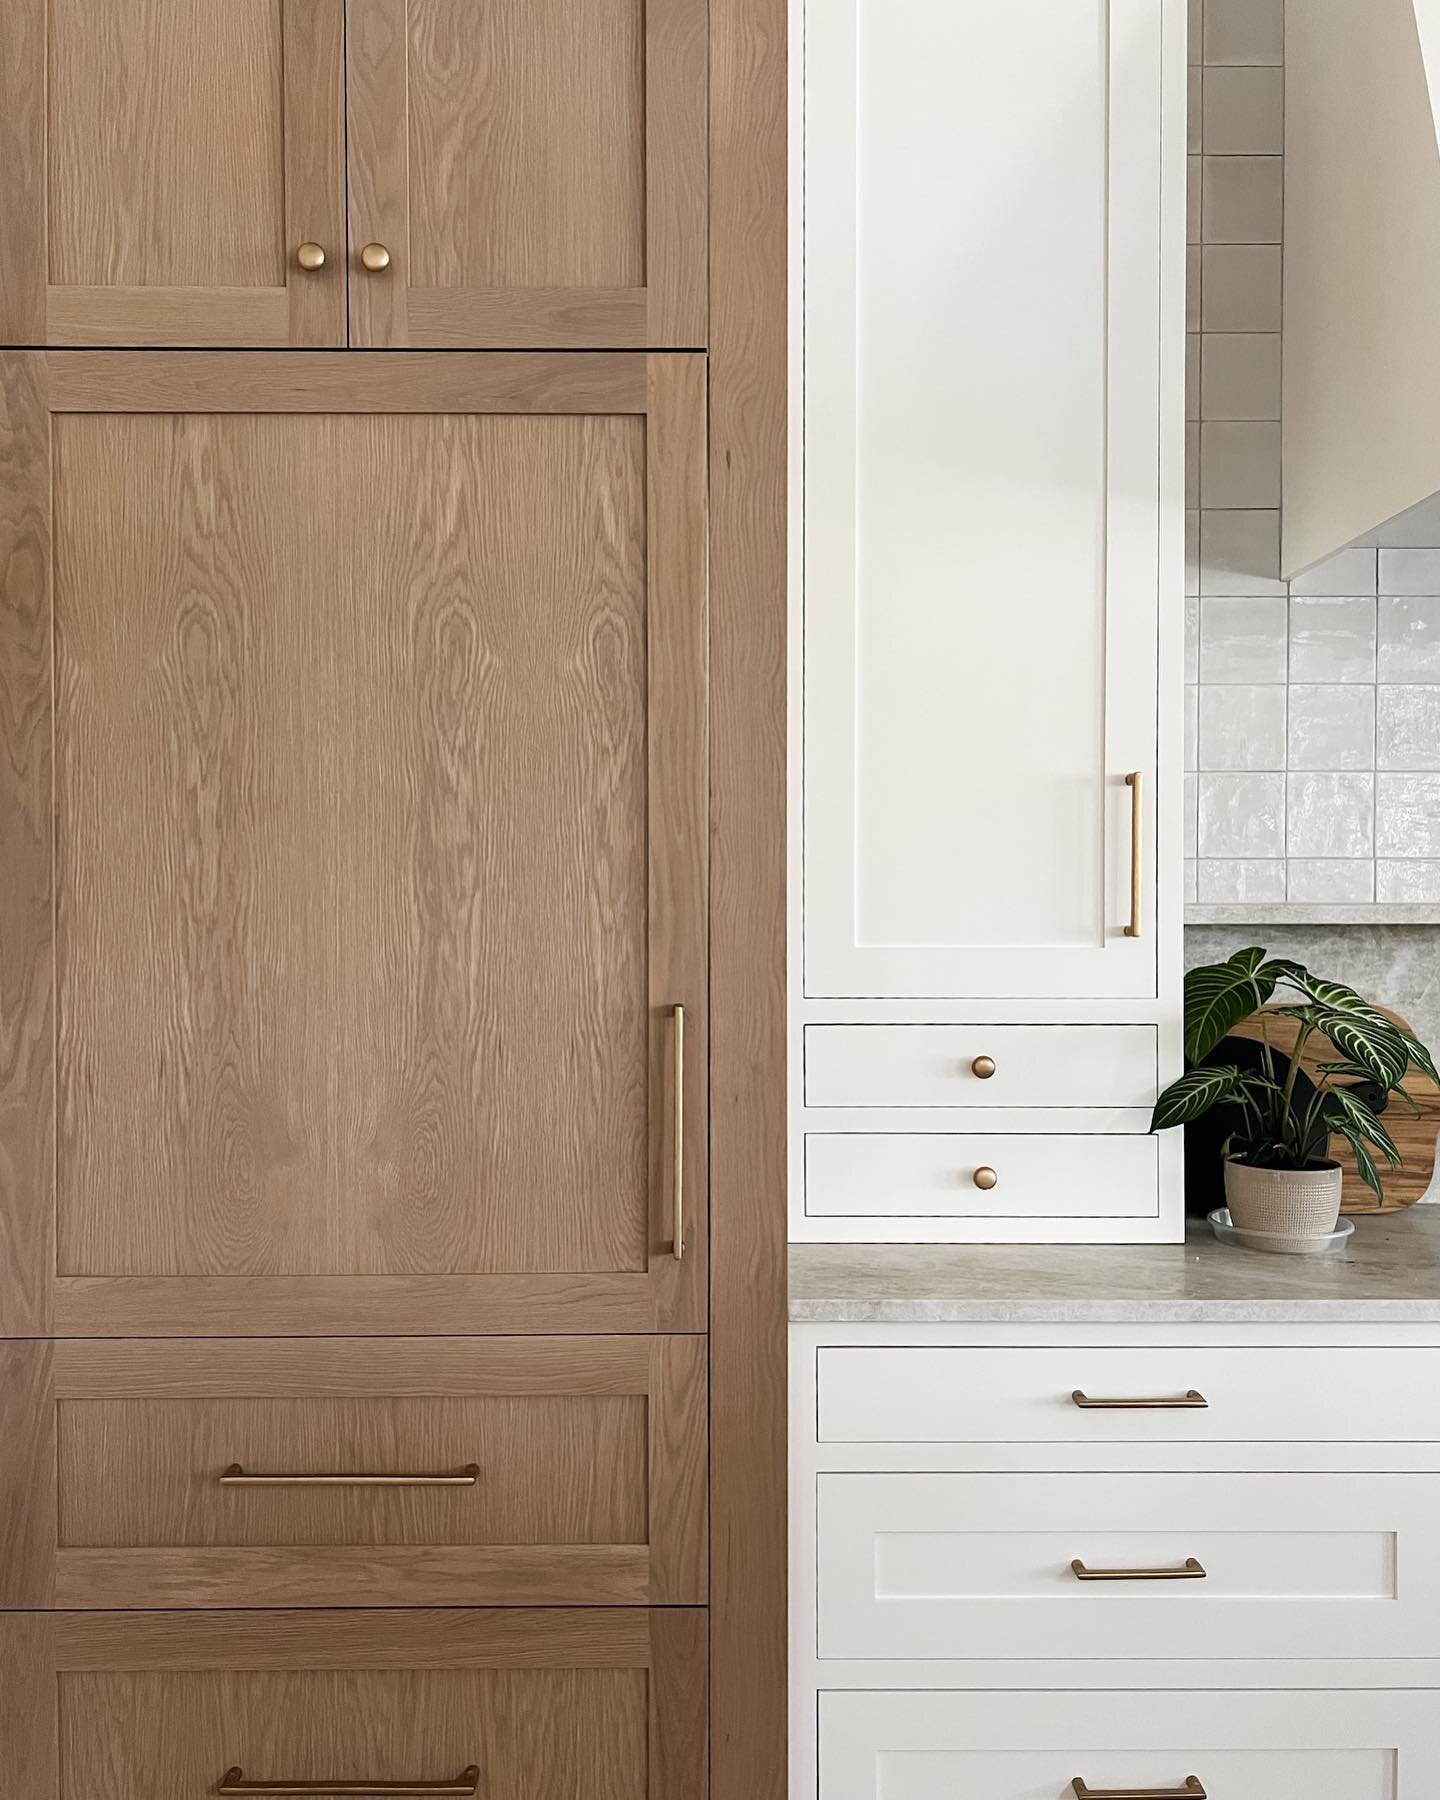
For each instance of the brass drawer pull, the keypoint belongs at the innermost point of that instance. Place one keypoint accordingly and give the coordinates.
(1192, 1571)
(677, 1177)
(464, 1787)
(1136, 785)
(235, 1476)
(1184, 1402)
(1192, 1790)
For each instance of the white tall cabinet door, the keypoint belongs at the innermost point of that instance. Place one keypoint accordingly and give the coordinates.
(986, 553)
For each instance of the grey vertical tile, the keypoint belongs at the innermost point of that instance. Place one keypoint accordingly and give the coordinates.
(1330, 815)
(1242, 199)
(1192, 553)
(1239, 464)
(1240, 553)
(1243, 111)
(1240, 375)
(1242, 816)
(1194, 186)
(1245, 32)
(1408, 731)
(1240, 287)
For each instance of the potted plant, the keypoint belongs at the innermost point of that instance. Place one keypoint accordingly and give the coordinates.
(1279, 1177)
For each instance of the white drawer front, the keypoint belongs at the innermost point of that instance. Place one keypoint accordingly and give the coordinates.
(980, 1566)
(934, 1175)
(939, 1395)
(1238, 1746)
(1022, 1065)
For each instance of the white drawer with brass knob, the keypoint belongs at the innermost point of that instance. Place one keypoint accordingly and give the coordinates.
(1035, 1066)
(980, 1175)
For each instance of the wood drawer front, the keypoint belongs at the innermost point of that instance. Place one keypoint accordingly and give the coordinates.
(932, 1175)
(550, 1705)
(934, 1065)
(1239, 1746)
(909, 1394)
(979, 1566)
(540, 1472)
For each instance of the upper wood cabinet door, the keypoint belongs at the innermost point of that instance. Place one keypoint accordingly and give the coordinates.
(535, 171)
(372, 864)
(164, 161)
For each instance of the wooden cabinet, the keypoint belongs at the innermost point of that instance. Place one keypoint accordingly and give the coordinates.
(524, 173)
(164, 162)
(988, 527)
(409, 1472)
(550, 1705)
(375, 837)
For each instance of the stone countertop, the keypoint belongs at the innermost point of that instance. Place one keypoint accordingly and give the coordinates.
(1389, 1274)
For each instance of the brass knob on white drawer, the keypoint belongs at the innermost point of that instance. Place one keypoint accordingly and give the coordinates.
(985, 1179)
(375, 257)
(983, 1067)
(310, 257)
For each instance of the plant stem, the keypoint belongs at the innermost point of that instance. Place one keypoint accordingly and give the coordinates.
(1287, 1097)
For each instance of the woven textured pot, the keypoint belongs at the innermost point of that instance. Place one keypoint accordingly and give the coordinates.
(1300, 1202)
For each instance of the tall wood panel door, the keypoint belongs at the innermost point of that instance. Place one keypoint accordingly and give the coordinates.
(527, 173)
(354, 958)
(172, 170)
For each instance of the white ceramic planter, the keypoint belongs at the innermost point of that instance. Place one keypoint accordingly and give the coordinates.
(1289, 1202)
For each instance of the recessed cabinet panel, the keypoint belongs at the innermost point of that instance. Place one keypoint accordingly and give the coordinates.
(992, 1066)
(1275, 1746)
(982, 353)
(531, 172)
(164, 164)
(379, 854)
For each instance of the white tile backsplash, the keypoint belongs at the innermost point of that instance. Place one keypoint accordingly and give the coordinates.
(1331, 727)
(1348, 572)
(1407, 817)
(1316, 881)
(1240, 553)
(1410, 571)
(1242, 727)
(1409, 639)
(1243, 639)
(1242, 816)
(1408, 883)
(1330, 815)
(1332, 639)
(1226, 881)
(1407, 732)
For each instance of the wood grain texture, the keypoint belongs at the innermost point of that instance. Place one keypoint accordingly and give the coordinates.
(27, 1473)
(553, 1704)
(217, 318)
(748, 369)
(27, 1092)
(197, 381)
(23, 196)
(679, 1463)
(29, 1705)
(536, 171)
(166, 132)
(314, 152)
(329, 1002)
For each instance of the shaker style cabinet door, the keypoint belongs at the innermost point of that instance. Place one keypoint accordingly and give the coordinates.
(983, 561)
(527, 173)
(174, 172)
(358, 911)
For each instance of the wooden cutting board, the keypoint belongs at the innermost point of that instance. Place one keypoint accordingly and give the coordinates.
(1415, 1134)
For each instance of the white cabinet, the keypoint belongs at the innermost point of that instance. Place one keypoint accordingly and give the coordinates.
(1274, 1746)
(988, 525)
(991, 530)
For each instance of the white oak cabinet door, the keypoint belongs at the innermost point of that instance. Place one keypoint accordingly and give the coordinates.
(1233, 1746)
(984, 556)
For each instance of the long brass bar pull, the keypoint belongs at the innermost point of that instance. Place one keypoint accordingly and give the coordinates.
(677, 1176)
(1192, 1790)
(464, 1787)
(1136, 785)
(1190, 1401)
(1192, 1571)
(235, 1476)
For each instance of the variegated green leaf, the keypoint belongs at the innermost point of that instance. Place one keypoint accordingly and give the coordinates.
(1342, 1104)
(1420, 1056)
(1364, 1161)
(1219, 996)
(1193, 1094)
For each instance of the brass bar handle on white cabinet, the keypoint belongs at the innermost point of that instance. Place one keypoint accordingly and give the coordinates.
(235, 1476)
(464, 1787)
(1192, 1790)
(677, 1175)
(1136, 784)
(1191, 1401)
(1192, 1571)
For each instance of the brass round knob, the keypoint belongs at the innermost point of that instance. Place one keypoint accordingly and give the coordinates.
(985, 1179)
(375, 258)
(310, 257)
(983, 1067)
